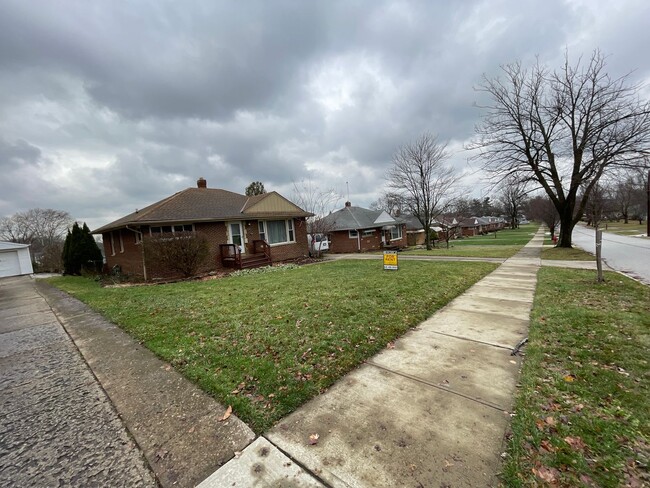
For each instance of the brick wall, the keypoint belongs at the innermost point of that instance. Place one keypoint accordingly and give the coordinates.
(131, 260)
(342, 243)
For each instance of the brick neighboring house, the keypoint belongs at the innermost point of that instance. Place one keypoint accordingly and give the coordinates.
(241, 231)
(357, 229)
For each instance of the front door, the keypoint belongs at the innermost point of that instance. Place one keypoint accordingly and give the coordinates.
(236, 236)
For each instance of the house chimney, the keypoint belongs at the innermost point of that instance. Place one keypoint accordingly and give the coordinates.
(348, 204)
(201, 183)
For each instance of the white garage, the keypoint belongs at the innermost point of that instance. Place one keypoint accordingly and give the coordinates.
(15, 259)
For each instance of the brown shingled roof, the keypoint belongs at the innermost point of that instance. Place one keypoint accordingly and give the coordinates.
(198, 205)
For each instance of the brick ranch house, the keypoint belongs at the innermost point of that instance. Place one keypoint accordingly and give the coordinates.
(357, 229)
(241, 231)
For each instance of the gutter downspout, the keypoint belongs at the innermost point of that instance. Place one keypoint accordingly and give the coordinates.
(144, 265)
(358, 240)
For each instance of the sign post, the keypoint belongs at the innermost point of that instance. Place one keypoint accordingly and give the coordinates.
(390, 260)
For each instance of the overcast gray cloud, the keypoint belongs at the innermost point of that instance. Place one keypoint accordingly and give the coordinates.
(109, 106)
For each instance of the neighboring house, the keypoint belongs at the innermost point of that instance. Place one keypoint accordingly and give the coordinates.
(15, 259)
(357, 229)
(241, 231)
(475, 226)
(415, 235)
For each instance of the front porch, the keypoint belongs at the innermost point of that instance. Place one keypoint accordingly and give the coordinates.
(259, 255)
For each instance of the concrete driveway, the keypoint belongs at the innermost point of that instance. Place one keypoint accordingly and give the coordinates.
(57, 427)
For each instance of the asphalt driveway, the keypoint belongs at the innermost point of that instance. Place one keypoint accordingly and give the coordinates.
(58, 427)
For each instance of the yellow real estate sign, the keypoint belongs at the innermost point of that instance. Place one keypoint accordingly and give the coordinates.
(390, 260)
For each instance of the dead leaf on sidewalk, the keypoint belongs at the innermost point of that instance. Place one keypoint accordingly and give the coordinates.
(226, 414)
(390, 345)
(313, 439)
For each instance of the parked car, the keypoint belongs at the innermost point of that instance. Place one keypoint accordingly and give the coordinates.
(318, 242)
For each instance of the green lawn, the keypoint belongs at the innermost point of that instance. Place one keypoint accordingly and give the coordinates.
(629, 229)
(582, 415)
(266, 343)
(503, 244)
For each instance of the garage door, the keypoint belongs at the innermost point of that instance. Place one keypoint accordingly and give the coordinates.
(9, 264)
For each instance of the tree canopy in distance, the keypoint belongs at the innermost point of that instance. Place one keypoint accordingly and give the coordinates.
(255, 188)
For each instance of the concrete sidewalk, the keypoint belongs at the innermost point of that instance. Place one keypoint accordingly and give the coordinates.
(431, 412)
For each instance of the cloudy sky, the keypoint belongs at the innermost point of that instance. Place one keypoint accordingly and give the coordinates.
(109, 106)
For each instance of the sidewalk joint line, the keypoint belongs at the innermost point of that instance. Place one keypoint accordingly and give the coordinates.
(301, 465)
(507, 348)
(442, 388)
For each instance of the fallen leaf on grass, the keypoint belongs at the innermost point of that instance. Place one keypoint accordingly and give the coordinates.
(313, 439)
(569, 378)
(226, 414)
(550, 421)
(546, 474)
(576, 443)
(547, 446)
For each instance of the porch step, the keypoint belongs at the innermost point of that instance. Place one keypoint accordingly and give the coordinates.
(255, 261)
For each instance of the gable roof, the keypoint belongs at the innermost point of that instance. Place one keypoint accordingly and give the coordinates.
(9, 246)
(355, 218)
(208, 205)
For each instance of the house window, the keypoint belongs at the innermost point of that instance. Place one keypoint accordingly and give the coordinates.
(121, 242)
(277, 231)
(171, 229)
(396, 232)
(112, 245)
(368, 233)
(290, 230)
(353, 234)
(138, 236)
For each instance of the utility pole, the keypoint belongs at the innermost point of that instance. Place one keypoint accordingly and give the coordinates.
(647, 215)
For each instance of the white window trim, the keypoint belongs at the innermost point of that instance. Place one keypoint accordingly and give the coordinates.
(121, 242)
(399, 231)
(112, 244)
(169, 225)
(368, 233)
(288, 223)
(353, 236)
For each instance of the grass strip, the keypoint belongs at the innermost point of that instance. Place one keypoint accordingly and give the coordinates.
(582, 415)
(266, 343)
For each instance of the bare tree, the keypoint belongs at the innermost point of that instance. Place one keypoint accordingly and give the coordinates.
(313, 199)
(563, 130)
(420, 177)
(542, 209)
(390, 202)
(601, 205)
(44, 229)
(629, 193)
(512, 195)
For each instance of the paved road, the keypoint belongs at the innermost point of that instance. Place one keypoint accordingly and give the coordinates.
(57, 427)
(630, 255)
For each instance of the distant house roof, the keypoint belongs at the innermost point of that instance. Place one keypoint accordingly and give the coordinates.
(357, 218)
(206, 205)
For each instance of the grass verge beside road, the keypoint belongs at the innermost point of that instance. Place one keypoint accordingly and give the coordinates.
(582, 411)
(504, 244)
(630, 229)
(566, 254)
(266, 343)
